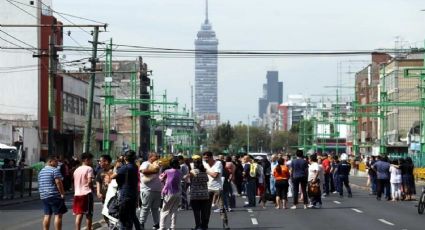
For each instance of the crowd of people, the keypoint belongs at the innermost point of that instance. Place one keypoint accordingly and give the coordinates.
(394, 178)
(206, 184)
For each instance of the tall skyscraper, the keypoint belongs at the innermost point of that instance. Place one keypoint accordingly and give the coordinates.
(206, 72)
(272, 92)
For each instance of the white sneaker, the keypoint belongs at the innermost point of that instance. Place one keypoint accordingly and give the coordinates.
(217, 210)
(310, 206)
(305, 206)
(293, 207)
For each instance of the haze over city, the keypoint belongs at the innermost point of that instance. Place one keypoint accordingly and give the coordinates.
(256, 25)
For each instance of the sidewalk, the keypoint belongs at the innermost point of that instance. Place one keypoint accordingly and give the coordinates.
(19, 200)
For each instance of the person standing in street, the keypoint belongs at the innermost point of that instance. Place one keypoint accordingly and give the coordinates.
(281, 177)
(171, 193)
(52, 193)
(372, 175)
(249, 173)
(214, 169)
(83, 192)
(184, 169)
(299, 172)
(150, 190)
(382, 168)
(343, 170)
(105, 167)
(127, 179)
(199, 198)
(395, 180)
(315, 178)
(326, 165)
(101, 187)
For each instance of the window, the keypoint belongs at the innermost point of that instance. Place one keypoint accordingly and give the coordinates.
(83, 106)
(96, 111)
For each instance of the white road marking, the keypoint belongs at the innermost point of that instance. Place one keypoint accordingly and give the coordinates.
(244, 197)
(246, 202)
(356, 210)
(386, 222)
(337, 202)
(249, 210)
(254, 221)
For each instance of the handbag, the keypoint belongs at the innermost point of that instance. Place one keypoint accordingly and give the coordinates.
(313, 188)
(114, 206)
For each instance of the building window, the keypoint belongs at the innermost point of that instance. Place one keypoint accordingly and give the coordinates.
(96, 110)
(83, 106)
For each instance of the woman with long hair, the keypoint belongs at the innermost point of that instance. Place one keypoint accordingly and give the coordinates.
(199, 198)
(281, 175)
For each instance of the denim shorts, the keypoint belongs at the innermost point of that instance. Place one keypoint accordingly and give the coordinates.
(54, 205)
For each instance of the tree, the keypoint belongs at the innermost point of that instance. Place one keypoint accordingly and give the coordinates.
(283, 141)
(222, 137)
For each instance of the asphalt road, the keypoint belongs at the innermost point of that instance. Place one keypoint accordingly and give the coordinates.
(358, 213)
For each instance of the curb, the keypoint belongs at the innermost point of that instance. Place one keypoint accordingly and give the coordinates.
(18, 201)
(35, 197)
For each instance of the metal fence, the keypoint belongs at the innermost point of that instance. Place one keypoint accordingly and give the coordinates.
(16, 183)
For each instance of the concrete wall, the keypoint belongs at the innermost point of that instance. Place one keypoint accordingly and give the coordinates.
(31, 145)
(19, 91)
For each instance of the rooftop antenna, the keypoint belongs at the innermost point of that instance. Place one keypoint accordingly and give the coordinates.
(206, 11)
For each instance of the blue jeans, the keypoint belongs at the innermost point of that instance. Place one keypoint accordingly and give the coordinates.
(336, 182)
(251, 187)
(272, 185)
(373, 183)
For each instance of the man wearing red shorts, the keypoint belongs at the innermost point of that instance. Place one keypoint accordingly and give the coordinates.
(83, 196)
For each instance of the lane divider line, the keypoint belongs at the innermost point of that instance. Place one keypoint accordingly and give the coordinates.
(249, 210)
(246, 202)
(337, 202)
(386, 222)
(254, 221)
(356, 210)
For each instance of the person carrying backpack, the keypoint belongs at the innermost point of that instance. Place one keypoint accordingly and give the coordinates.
(250, 175)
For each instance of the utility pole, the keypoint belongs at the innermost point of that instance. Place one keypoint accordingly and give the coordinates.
(144, 132)
(87, 128)
(108, 100)
(247, 137)
(52, 73)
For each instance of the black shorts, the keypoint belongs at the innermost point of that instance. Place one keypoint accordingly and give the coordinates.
(54, 205)
(282, 189)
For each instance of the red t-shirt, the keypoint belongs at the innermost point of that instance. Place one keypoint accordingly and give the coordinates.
(326, 164)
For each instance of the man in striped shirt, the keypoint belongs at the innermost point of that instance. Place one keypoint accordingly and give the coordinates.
(52, 193)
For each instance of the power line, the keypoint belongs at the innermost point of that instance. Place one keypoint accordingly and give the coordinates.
(57, 12)
(10, 1)
(16, 38)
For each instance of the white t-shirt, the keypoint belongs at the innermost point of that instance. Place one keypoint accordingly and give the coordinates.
(214, 184)
(153, 184)
(395, 174)
(315, 167)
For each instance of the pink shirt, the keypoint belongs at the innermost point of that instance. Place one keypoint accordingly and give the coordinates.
(83, 176)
